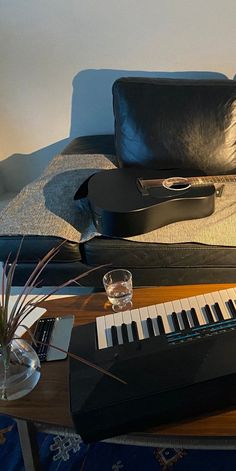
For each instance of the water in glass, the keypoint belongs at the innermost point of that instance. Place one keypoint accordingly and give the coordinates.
(118, 286)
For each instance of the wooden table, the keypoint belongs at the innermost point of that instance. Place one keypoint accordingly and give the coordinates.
(48, 403)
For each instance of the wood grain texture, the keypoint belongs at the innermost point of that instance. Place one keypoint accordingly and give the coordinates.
(48, 403)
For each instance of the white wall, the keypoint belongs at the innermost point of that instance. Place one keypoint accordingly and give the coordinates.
(59, 58)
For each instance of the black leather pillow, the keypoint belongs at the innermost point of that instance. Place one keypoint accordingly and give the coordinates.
(176, 123)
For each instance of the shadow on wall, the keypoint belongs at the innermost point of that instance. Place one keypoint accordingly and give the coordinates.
(91, 113)
(20, 169)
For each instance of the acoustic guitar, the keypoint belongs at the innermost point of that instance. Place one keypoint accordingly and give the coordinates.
(132, 201)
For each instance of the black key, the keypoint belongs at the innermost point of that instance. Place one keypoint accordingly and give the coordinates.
(114, 335)
(218, 312)
(160, 325)
(209, 316)
(194, 317)
(124, 333)
(232, 308)
(185, 319)
(175, 321)
(150, 327)
(134, 330)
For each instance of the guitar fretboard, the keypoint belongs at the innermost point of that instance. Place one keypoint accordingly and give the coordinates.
(197, 180)
(204, 180)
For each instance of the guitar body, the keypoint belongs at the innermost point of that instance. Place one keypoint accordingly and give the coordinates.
(120, 210)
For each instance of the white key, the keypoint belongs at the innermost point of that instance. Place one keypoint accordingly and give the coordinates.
(135, 316)
(234, 291)
(201, 302)
(232, 295)
(143, 312)
(186, 306)
(118, 321)
(109, 322)
(210, 301)
(101, 332)
(127, 320)
(178, 308)
(169, 311)
(217, 299)
(225, 297)
(193, 303)
(160, 308)
(152, 313)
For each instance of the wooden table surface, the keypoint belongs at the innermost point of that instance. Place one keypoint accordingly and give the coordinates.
(49, 402)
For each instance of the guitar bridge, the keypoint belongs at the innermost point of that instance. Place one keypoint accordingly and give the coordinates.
(219, 191)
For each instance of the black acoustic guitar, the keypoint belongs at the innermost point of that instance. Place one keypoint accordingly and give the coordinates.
(127, 202)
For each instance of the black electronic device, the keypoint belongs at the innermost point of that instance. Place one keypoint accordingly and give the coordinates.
(53, 331)
(172, 375)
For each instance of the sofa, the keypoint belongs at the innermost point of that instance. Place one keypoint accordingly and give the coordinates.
(161, 124)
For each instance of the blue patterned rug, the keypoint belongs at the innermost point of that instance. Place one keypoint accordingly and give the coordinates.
(58, 453)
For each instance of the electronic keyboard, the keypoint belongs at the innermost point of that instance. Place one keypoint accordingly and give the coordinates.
(178, 360)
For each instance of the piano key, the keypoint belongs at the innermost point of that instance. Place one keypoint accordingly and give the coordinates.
(218, 299)
(178, 309)
(225, 298)
(232, 295)
(208, 313)
(114, 335)
(124, 333)
(218, 312)
(135, 316)
(201, 302)
(169, 309)
(134, 330)
(160, 325)
(211, 303)
(162, 312)
(194, 317)
(194, 303)
(150, 327)
(127, 320)
(186, 307)
(232, 308)
(143, 312)
(109, 322)
(118, 320)
(185, 319)
(101, 332)
(152, 313)
(175, 322)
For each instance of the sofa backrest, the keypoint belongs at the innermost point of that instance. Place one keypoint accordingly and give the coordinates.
(176, 123)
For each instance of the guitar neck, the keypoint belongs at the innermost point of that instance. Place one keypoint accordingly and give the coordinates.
(206, 179)
(201, 180)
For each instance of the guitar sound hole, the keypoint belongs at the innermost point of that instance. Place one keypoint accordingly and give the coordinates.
(176, 184)
(179, 186)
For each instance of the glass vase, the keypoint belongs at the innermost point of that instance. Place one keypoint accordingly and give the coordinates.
(19, 369)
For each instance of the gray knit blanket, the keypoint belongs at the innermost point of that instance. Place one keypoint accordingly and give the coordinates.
(46, 207)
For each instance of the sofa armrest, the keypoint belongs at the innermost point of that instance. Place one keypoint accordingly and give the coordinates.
(91, 145)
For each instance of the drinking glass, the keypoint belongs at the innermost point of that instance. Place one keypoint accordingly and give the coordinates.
(119, 289)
